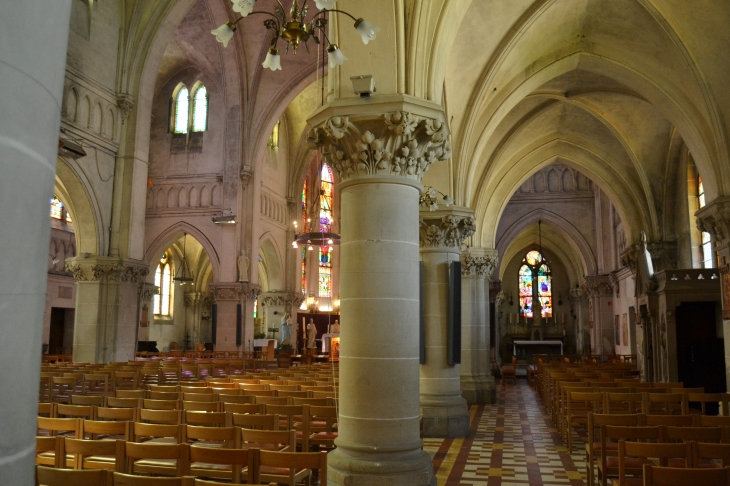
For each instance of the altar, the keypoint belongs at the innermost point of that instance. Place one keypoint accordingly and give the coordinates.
(524, 350)
(326, 338)
(263, 343)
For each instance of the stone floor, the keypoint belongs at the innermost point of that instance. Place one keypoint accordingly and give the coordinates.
(512, 442)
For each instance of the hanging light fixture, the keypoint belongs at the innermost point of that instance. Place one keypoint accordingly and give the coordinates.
(313, 234)
(429, 198)
(294, 30)
(184, 275)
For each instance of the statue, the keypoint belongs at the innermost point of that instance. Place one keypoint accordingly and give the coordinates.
(286, 330)
(336, 327)
(311, 334)
(243, 263)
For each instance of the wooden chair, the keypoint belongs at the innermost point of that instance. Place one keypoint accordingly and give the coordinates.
(671, 476)
(593, 444)
(76, 411)
(52, 426)
(608, 465)
(207, 419)
(47, 476)
(509, 372)
(299, 464)
(290, 416)
(62, 387)
(228, 437)
(710, 455)
(620, 402)
(88, 400)
(48, 451)
(709, 403)
(203, 482)
(92, 454)
(235, 398)
(130, 394)
(170, 434)
(272, 400)
(161, 404)
(633, 454)
(114, 402)
(47, 410)
(255, 421)
(320, 428)
(243, 408)
(665, 404)
(173, 417)
(202, 406)
(579, 405)
(669, 420)
(275, 440)
(97, 429)
(117, 414)
(155, 458)
(224, 463)
(120, 479)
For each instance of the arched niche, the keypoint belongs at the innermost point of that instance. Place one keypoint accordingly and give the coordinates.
(84, 211)
(271, 264)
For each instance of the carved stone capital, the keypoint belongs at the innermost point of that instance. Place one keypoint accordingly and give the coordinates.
(236, 291)
(598, 285)
(246, 174)
(192, 298)
(391, 135)
(576, 296)
(109, 269)
(479, 262)
(125, 102)
(446, 227)
(715, 219)
(285, 299)
(663, 255)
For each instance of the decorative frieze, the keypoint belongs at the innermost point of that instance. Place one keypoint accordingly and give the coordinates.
(273, 207)
(237, 291)
(598, 285)
(110, 269)
(446, 227)
(92, 110)
(284, 299)
(202, 193)
(396, 143)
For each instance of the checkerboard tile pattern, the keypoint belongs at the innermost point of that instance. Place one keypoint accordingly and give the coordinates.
(511, 443)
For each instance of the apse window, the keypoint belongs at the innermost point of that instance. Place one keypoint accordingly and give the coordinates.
(706, 238)
(163, 280)
(200, 109)
(535, 284)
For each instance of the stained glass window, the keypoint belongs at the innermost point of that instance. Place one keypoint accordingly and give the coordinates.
(59, 211)
(304, 206)
(163, 280)
(182, 103)
(304, 249)
(200, 109)
(706, 244)
(274, 137)
(325, 226)
(255, 307)
(304, 270)
(526, 285)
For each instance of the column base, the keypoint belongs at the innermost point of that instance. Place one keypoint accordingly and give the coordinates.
(352, 468)
(447, 420)
(482, 392)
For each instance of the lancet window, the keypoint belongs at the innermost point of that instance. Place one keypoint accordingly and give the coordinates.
(706, 238)
(535, 282)
(325, 226)
(163, 280)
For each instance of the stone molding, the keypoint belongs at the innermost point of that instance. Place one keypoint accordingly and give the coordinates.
(236, 291)
(447, 227)
(110, 269)
(714, 218)
(285, 299)
(597, 285)
(663, 255)
(391, 143)
(193, 298)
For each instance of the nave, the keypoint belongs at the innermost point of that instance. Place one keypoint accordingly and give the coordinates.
(511, 442)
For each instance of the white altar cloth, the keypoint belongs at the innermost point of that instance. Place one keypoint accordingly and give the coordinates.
(263, 343)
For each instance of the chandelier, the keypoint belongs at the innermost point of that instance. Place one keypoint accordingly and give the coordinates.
(295, 29)
(323, 226)
(429, 198)
(184, 275)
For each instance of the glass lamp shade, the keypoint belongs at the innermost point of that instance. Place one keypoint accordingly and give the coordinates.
(244, 7)
(328, 4)
(273, 60)
(224, 33)
(335, 55)
(366, 30)
(448, 201)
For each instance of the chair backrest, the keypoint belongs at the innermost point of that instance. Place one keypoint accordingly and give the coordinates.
(171, 417)
(669, 420)
(148, 450)
(159, 395)
(114, 402)
(55, 425)
(48, 476)
(272, 400)
(255, 421)
(161, 404)
(96, 429)
(130, 393)
(665, 403)
(157, 431)
(202, 406)
(243, 408)
(80, 411)
(238, 398)
(270, 439)
(711, 451)
(714, 421)
(88, 400)
(699, 434)
(238, 458)
(645, 450)
(209, 419)
(296, 461)
(674, 476)
(624, 402)
(287, 412)
(228, 436)
(120, 479)
(116, 414)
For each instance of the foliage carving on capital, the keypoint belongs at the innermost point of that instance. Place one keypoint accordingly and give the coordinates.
(598, 285)
(285, 299)
(392, 144)
(715, 219)
(234, 291)
(449, 231)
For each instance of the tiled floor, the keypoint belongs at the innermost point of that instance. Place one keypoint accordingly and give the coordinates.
(511, 443)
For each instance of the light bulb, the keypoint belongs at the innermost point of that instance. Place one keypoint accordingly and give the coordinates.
(310, 248)
(244, 7)
(294, 244)
(328, 4)
(273, 60)
(224, 33)
(330, 242)
(366, 30)
(335, 55)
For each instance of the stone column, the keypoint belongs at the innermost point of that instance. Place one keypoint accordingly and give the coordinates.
(444, 410)
(714, 218)
(146, 311)
(380, 148)
(477, 382)
(192, 317)
(600, 300)
(227, 296)
(108, 295)
(32, 69)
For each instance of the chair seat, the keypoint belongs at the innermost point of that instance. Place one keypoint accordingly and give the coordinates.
(324, 436)
(631, 462)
